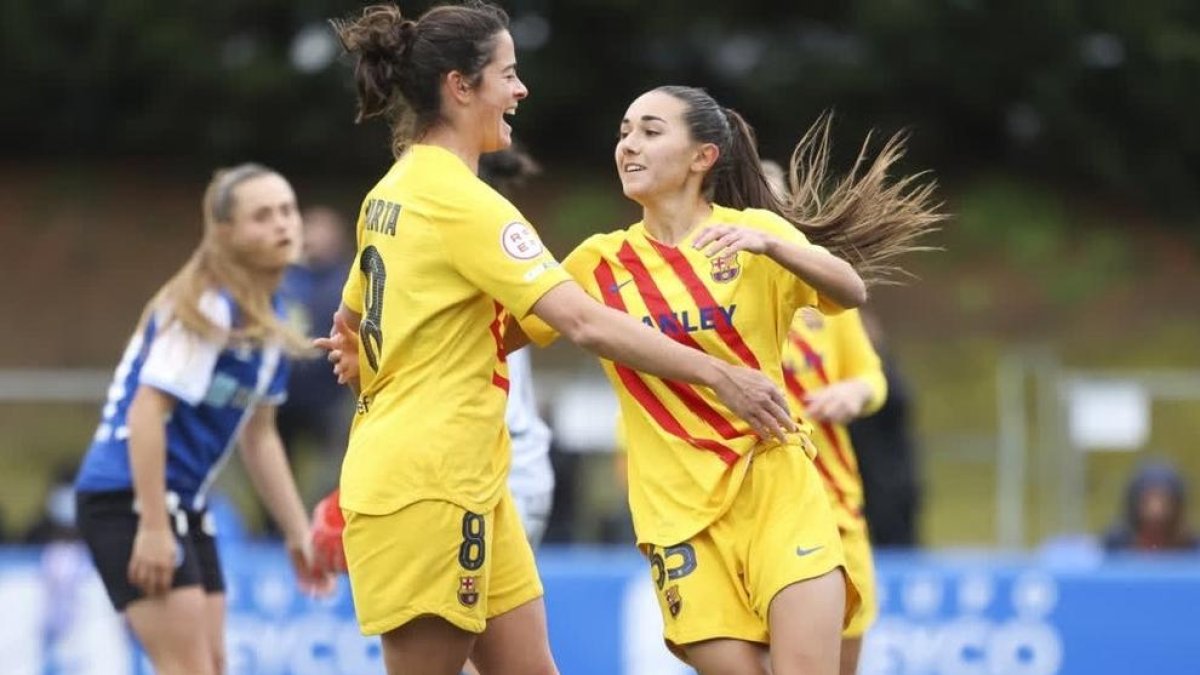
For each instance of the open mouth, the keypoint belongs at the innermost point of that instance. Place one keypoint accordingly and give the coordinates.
(633, 168)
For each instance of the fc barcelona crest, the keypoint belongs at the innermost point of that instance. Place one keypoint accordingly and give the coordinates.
(468, 592)
(725, 268)
(674, 601)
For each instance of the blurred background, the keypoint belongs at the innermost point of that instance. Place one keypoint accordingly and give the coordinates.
(1042, 359)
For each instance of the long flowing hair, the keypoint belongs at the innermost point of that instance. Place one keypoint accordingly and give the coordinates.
(865, 217)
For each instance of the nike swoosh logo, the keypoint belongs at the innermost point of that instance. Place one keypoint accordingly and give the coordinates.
(615, 288)
(801, 551)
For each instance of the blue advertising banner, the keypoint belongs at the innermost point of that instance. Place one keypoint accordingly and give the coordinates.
(941, 614)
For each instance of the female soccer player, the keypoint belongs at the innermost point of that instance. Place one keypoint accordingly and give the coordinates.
(834, 376)
(743, 547)
(204, 371)
(433, 545)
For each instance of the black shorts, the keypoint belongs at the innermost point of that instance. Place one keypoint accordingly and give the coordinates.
(108, 523)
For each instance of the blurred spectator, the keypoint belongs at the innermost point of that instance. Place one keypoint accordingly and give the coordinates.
(317, 409)
(1155, 513)
(887, 456)
(57, 521)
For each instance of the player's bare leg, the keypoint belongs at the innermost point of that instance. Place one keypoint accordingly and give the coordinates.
(727, 657)
(516, 643)
(166, 626)
(427, 645)
(214, 611)
(851, 648)
(805, 622)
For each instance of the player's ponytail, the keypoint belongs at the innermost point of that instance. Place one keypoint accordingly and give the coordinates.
(738, 179)
(399, 63)
(862, 218)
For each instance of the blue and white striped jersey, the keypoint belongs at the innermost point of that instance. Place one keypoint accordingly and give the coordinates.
(217, 387)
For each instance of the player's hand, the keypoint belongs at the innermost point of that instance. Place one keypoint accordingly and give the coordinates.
(152, 564)
(342, 348)
(311, 579)
(719, 241)
(326, 535)
(755, 398)
(839, 403)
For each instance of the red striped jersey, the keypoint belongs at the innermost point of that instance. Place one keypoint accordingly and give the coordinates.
(684, 445)
(821, 350)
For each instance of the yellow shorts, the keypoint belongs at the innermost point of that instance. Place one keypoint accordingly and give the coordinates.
(779, 530)
(436, 558)
(861, 568)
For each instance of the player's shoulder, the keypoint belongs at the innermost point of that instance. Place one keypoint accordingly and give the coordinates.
(603, 243)
(597, 247)
(216, 304)
(760, 219)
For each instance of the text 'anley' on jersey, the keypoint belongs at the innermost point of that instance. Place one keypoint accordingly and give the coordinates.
(691, 321)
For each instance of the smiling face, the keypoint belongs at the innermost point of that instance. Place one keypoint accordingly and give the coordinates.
(264, 225)
(656, 153)
(497, 94)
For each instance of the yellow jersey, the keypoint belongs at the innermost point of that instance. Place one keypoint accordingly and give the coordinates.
(441, 258)
(821, 350)
(685, 447)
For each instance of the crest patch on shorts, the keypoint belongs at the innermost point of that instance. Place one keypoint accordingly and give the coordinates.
(468, 592)
(674, 601)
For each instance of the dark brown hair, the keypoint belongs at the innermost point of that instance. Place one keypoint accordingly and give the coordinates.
(863, 218)
(399, 63)
(508, 169)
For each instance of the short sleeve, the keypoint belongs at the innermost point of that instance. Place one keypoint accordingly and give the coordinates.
(181, 362)
(797, 292)
(352, 290)
(498, 251)
(576, 266)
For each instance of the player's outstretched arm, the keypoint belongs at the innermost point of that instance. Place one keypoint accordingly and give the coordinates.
(619, 337)
(830, 276)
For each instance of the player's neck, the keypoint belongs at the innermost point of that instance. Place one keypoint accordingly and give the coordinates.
(671, 218)
(266, 281)
(445, 137)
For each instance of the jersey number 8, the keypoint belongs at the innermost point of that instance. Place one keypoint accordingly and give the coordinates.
(370, 329)
(471, 552)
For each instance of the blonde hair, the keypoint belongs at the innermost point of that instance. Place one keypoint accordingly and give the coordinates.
(213, 266)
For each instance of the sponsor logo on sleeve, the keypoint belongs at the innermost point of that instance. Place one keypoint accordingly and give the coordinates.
(520, 242)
